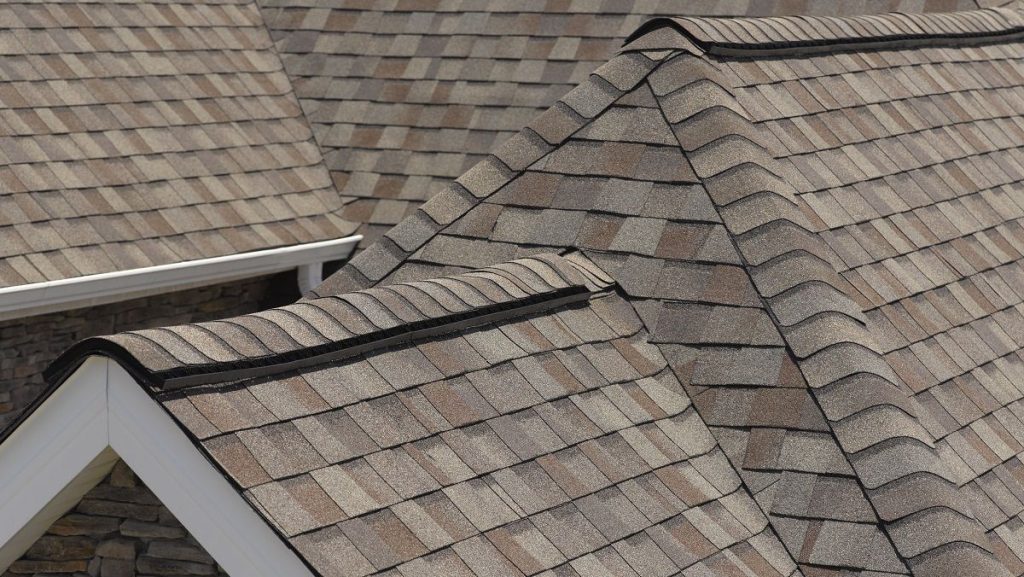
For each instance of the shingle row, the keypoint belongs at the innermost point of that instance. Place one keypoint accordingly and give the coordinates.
(568, 446)
(147, 134)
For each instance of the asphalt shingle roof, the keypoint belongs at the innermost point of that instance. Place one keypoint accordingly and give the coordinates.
(794, 347)
(530, 424)
(405, 96)
(138, 134)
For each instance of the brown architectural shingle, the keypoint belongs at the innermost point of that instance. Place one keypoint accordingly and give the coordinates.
(527, 425)
(786, 344)
(405, 96)
(145, 134)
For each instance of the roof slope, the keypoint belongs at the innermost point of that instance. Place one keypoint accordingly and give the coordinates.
(138, 134)
(405, 96)
(507, 421)
(870, 198)
(820, 247)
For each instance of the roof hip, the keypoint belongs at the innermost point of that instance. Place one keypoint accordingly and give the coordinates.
(836, 353)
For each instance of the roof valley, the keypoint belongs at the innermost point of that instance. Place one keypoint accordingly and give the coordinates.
(623, 75)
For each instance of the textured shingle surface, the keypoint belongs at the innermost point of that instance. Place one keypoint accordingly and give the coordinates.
(905, 163)
(315, 330)
(141, 134)
(804, 158)
(574, 447)
(557, 439)
(814, 256)
(405, 96)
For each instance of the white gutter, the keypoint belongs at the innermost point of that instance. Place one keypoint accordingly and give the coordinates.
(52, 296)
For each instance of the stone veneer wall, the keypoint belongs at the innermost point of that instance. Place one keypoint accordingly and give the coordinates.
(119, 529)
(29, 344)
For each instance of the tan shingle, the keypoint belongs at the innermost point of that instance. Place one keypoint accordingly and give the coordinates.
(162, 118)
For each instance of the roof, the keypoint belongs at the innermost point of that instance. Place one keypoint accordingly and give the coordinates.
(797, 353)
(140, 134)
(503, 421)
(403, 97)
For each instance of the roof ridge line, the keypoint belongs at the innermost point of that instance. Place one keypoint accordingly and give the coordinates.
(790, 35)
(170, 358)
(763, 250)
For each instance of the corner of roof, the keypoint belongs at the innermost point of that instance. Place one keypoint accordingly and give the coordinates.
(661, 33)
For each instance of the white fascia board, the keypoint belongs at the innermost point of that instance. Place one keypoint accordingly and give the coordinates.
(70, 443)
(54, 454)
(153, 446)
(90, 290)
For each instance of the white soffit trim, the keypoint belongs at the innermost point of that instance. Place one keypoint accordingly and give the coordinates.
(73, 440)
(90, 290)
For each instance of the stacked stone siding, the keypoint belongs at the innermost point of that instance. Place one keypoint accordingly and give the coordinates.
(28, 345)
(119, 529)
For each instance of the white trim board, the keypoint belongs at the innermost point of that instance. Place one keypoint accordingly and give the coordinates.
(90, 290)
(73, 439)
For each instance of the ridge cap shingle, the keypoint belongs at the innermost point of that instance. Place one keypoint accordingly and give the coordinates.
(832, 350)
(809, 34)
(318, 330)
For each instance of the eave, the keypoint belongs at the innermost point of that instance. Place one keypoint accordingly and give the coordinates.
(90, 290)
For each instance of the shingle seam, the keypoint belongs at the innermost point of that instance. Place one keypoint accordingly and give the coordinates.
(637, 333)
(929, 30)
(439, 434)
(921, 167)
(695, 260)
(969, 324)
(654, 471)
(418, 288)
(935, 286)
(896, 133)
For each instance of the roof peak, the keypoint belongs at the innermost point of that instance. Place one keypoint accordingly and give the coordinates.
(336, 327)
(788, 35)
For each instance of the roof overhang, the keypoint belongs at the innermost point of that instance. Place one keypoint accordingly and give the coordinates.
(72, 441)
(90, 290)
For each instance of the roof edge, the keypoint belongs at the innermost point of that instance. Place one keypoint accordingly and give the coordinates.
(790, 35)
(46, 297)
(579, 281)
(200, 374)
(72, 441)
